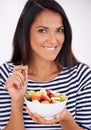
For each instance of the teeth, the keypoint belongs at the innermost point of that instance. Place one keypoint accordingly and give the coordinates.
(50, 48)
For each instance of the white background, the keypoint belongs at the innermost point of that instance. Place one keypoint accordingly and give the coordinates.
(78, 12)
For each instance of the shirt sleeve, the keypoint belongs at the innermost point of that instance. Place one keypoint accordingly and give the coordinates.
(83, 104)
(5, 99)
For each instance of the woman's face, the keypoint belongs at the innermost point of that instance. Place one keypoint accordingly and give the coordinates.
(47, 35)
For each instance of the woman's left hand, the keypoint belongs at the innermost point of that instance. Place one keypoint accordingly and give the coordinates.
(38, 119)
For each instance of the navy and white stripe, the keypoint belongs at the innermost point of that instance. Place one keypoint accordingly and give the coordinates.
(75, 83)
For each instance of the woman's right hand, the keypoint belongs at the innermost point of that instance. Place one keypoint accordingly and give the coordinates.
(16, 83)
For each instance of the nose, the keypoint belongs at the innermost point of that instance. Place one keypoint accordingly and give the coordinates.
(52, 38)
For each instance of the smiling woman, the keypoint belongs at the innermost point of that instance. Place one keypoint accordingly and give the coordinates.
(43, 59)
(47, 36)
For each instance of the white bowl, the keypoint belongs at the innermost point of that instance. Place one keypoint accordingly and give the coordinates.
(47, 111)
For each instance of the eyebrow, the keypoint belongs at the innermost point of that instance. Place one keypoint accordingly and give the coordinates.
(47, 27)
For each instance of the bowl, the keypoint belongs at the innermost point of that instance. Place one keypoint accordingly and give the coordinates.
(47, 111)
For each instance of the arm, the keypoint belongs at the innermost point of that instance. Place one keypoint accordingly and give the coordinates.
(16, 118)
(16, 87)
(83, 102)
(68, 123)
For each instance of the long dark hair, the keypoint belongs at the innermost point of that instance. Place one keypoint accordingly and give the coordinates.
(21, 40)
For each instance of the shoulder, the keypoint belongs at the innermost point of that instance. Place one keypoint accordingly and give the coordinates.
(82, 66)
(78, 71)
(6, 69)
(83, 70)
(7, 66)
(79, 68)
(84, 77)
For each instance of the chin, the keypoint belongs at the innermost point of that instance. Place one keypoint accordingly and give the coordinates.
(51, 59)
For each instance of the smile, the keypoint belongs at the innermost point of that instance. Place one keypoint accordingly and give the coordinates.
(50, 48)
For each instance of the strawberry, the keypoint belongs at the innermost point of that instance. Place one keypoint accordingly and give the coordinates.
(50, 94)
(36, 97)
(46, 98)
(48, 91)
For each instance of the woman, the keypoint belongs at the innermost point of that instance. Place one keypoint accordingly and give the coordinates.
(43, 59)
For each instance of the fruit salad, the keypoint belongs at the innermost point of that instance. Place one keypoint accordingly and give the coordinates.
(45, 96)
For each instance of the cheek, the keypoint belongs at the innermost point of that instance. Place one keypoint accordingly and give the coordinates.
(35, 44)
(36, 39)
(61, 39)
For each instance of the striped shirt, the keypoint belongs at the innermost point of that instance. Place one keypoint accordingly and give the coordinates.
(75, 83)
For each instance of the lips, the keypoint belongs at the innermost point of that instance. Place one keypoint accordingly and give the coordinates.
(50, 48)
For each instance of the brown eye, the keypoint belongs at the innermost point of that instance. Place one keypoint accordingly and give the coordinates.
(60, 30)
(42, 30)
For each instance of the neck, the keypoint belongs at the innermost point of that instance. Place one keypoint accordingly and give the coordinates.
(42, 71)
